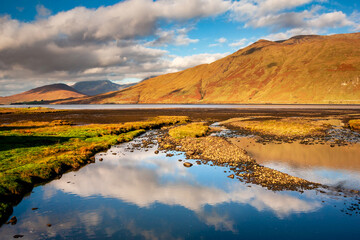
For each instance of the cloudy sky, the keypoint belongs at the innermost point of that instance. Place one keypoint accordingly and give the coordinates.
(46, 41)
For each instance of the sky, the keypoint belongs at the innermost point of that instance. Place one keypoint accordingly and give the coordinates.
(45, 41)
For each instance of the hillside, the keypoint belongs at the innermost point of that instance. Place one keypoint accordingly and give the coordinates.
(45, 93)
(302, 69)
(92, 88)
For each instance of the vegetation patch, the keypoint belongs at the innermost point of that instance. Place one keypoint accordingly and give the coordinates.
(196, 129)
(293, 128)
(32, 153)
(354, 124)
(29, 110)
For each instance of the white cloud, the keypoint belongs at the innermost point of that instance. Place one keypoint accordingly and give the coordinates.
(42, 12)
(221, 40)
(278, 15)
(240, 43)
(190, 61)
(91, 43)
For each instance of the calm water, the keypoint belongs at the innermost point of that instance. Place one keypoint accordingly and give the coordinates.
(162, 106)
(142, 195)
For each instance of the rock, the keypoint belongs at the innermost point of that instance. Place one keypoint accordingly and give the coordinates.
(101, 159)
(114, 153)
(13, 220)
(169, 155)
(156, 151)
(190, 153)
(49, 225)
(18, 236)
(179, 160)
(187, 164)
(35, 208)
(231, 176)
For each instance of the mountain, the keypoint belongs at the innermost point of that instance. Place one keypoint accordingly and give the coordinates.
(45, 93)
(98, 87)
(302, 69)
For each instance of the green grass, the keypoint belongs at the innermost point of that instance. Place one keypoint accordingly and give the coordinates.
(189, 130)
(33, 152)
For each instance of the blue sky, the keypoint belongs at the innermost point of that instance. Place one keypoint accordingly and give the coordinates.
(46, 41)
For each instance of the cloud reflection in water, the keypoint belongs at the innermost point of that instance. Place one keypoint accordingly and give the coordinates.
(143, 178)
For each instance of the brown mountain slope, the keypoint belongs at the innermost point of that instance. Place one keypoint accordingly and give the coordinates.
(302, 69)
(48, 92)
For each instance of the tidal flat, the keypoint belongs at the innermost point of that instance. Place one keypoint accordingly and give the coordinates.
(191, 174)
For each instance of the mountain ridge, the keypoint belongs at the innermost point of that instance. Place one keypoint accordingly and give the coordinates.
(49, 92)
(303, 69)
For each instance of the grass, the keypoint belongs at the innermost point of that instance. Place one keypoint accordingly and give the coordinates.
(190, 130)
(280, 127)
(28, 110)
(35, 152)
(354, 124)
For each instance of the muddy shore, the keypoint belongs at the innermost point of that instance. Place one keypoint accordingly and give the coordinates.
(211, 114)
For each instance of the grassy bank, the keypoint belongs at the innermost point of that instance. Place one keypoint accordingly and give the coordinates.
(291, 128)
(28, 110)
(35, 152)
(189, 130)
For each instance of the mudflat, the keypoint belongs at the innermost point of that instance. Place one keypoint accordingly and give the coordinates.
(127, 115)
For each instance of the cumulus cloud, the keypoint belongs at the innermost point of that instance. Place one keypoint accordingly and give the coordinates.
(240, 43)
(221, 40)
(278, 15)
(189, 61)
(176, 37)
(85, 43)
(42, 11)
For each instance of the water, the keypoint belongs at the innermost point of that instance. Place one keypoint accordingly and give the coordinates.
(164, 106)
(137, 194)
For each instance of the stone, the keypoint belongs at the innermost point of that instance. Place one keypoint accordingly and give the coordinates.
(187, 164)
(231, 176)
(13, 220)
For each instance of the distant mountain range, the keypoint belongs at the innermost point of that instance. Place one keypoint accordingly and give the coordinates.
(302, 69)
(92, 88)
(60, 91)
(45, 93)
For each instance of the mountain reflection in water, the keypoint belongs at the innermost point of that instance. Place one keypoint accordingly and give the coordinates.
(142, 195)
(339, 165)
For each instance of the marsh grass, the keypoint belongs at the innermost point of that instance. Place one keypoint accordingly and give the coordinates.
(354, 124)
(29, 110)
(196, 129)
(32, 153)
(281, 127)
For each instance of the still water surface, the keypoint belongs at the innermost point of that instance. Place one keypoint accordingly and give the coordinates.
(142, 195)
(218, 106)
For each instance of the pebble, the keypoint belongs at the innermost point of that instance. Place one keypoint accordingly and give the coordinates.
(187, 164)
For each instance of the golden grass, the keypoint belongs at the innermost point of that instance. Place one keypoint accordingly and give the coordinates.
(197, 129)
(280, 127)
(354, 124)
(29, 110)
